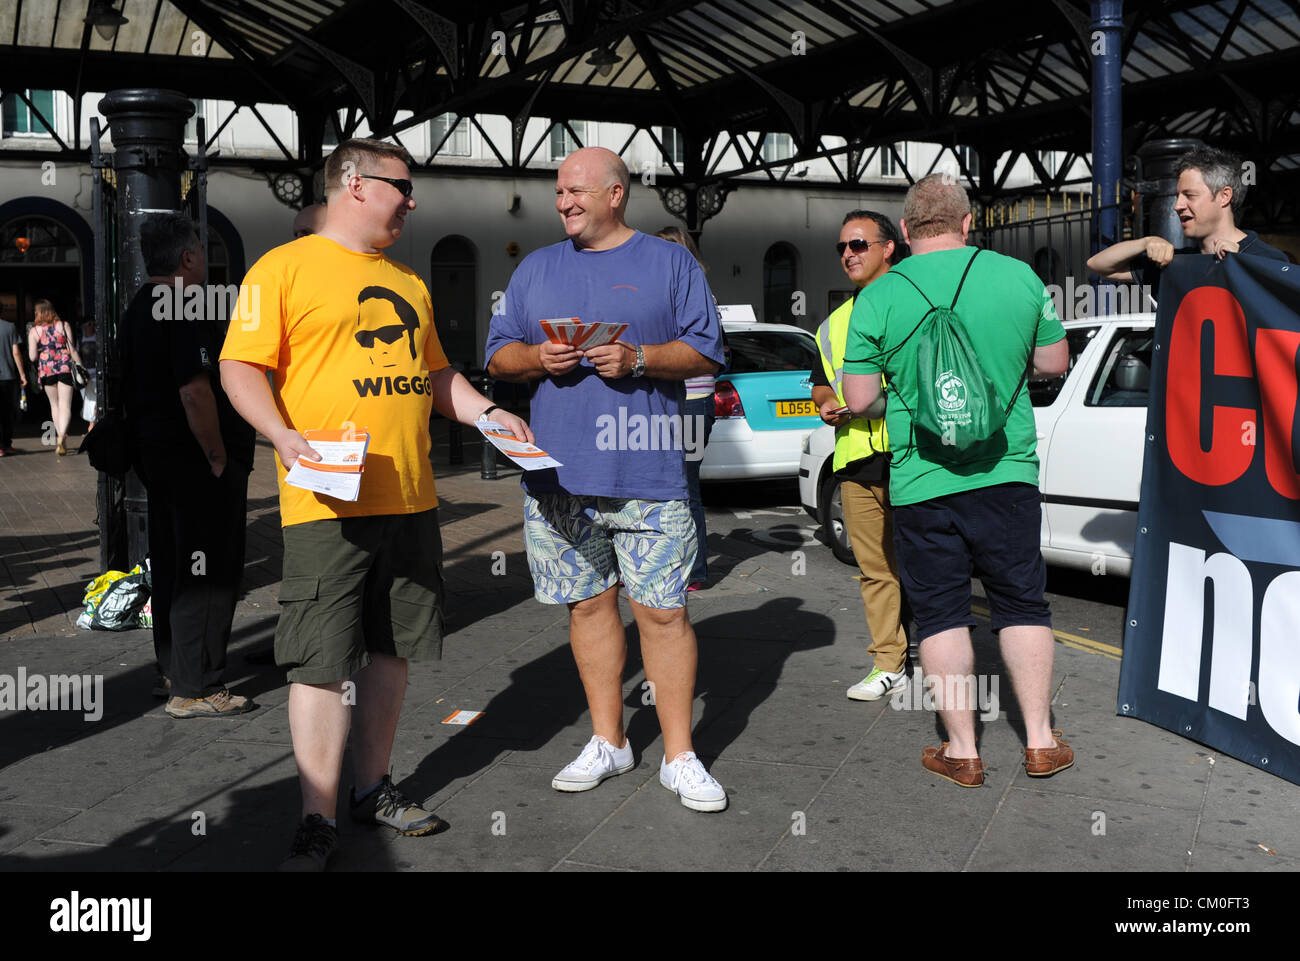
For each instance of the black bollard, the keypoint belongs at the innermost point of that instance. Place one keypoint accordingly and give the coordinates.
(488, 455)
(455, 444)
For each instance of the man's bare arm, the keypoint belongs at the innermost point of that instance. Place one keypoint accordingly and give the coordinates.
(245, 384)
(519, 363)
(201, 412)
(1116, 261)
(455, 398)
(675, 360)
(864, 395)
(1052, 360)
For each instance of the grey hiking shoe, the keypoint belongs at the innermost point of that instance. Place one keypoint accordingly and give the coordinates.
(388, 806)
(312, 846)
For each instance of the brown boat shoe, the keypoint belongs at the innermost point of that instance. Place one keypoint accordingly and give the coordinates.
(1046, 761)
(962, 771)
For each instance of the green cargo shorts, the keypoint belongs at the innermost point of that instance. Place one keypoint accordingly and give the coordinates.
(357, 586)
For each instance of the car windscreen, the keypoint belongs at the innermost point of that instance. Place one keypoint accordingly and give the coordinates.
(757, 351)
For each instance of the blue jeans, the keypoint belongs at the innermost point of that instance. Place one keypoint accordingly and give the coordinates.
(703, 407)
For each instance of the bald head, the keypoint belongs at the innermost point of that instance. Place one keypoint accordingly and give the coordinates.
(591, 189)
(602, 167)
(310, 220)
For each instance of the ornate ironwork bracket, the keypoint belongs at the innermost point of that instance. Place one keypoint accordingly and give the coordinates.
(694, 204)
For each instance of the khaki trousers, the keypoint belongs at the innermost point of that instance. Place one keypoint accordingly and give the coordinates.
(870, 526)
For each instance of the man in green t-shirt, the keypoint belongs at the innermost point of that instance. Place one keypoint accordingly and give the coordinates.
(983, 512)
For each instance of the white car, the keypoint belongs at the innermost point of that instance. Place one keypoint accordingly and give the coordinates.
(1091, 423)
(762, 403)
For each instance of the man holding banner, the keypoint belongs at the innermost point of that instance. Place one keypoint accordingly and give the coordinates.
(1211, 194)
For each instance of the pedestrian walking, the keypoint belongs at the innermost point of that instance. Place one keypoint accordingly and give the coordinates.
(51, 348)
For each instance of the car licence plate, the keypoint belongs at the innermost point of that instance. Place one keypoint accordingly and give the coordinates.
(796, 408)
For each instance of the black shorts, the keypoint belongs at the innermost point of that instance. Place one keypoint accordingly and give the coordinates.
(58, 379)
(994, 533)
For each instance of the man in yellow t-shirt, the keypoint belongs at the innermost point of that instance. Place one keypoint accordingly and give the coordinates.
(348, 337)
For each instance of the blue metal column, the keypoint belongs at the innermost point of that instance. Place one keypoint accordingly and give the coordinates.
(1105, 45)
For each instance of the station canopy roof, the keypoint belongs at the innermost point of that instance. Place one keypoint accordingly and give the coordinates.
(994, 75)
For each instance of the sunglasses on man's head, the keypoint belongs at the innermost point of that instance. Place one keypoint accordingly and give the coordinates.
(405, 186)
(857, 245)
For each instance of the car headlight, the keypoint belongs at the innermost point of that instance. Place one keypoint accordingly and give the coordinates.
(807, 441)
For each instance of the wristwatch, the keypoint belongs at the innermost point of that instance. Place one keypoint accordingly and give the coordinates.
(638, 369)
(484, 414)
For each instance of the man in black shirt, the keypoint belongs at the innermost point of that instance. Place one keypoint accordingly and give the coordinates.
(193, 453)
(1210, 196)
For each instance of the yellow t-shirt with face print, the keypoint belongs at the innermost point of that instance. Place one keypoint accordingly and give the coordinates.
(350, 342)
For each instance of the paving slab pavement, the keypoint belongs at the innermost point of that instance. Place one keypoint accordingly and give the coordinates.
(816, 782)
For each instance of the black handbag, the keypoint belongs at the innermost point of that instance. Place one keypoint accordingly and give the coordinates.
(80, 377)
(108, 446)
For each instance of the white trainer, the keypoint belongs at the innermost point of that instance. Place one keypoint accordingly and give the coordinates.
(877, 684)
(598, 760)
(695, 786)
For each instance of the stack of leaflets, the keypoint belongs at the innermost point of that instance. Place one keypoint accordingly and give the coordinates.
(526, 455)
(338, 472)
(584, 336)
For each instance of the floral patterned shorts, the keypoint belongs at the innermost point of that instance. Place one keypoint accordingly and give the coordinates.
(579, 547)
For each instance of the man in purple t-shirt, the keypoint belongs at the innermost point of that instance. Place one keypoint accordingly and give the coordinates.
(612, 415)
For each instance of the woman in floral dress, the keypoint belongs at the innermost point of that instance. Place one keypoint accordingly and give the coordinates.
(50, 346)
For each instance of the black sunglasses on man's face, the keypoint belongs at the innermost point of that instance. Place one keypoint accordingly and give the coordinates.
(857, 245)
(405, 186)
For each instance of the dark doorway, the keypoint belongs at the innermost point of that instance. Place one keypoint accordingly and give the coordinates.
(453, 273)
(39, 259)
(780, 281)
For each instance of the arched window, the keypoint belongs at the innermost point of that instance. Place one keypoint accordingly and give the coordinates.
(780, 281)
(453, 285)
(38, 240)
(40, 258)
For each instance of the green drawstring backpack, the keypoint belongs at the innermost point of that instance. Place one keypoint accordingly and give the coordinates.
(957, 411)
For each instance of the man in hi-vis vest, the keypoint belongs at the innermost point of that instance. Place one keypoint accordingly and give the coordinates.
(869, 244)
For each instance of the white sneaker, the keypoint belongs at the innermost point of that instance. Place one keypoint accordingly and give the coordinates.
(693, 785)
(598, 760)
(877, 684)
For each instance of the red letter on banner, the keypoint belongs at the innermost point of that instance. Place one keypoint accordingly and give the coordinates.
(1275, 354)
(1227, 458)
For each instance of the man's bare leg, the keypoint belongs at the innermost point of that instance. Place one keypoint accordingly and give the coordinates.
(600, 648)
(670, 653)
(1029, 652)
(318, 726)
(381, 685)
(948, 659)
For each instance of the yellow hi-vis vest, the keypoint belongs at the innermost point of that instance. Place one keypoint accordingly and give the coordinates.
(860, 437)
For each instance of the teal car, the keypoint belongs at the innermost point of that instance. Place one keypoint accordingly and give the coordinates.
(762, 404)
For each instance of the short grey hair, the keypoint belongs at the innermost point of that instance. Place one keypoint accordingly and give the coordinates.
(1219, 169)
(163, 239)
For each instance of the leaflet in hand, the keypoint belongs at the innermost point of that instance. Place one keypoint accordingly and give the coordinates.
(522, 453)
(575, 333)
(338, 472)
